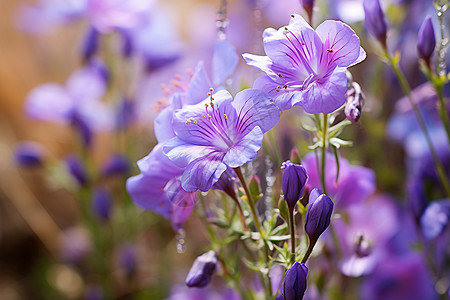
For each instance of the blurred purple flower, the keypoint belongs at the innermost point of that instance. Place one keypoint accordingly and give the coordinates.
(364, 234)
(435, 218)
(426, 41)
(207, 293)
(399, 278)
(294, 284)
(217, 133)
(294, 182)
(128, 259)
(102, 203)
(318, 214)
(94, 292)
(306, 67)
(77, 102)
(77, 169)
(90, 44)
(117, 164)
(202, 270)
(158, 188)
(374, 20)
(74, 245)
(29, 154)
(354, 184)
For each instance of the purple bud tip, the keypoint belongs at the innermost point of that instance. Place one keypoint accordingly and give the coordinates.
(355, 99)
(202, 270)
(29, 154)
(294, 284)
(426, 40)
(102, 203)
(116, 165)
(293, 182)
(318, 214)
(77, 168)
(127, 259)
(90, 44)
(375, 21)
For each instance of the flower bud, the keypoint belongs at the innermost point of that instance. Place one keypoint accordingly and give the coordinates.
(308, 6)
(29, 154)
(355, 99)
(102, 203)
(295, 156)
(90, 44)
(375, 21)
(318, 215)
(293, 182)
(226, 183)
(77, 168)
(202, 270)
(116, 165)
(127, 259)
(426, 41)
(294, 284)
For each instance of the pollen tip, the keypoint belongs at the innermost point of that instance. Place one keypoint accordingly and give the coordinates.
(292, 16)
(195, 121)
(211, 89)
(209, 94)
(225, 116)
(188, 121)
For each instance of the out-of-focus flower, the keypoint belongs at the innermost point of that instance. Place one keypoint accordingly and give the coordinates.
(158, 188)
(364, 236)
(126, 114)
(217, 133)
(354, 183)
(293, 182)
(306, 67)
(294, 284)
(184, 293)
(128, 259)
(74, 245)
(77, 169)
(29, 154)
(102, 203)
(355, 99)
(318, 214)
(399, 278)
(117, 164)
(426, 41)
(308, 6)
(202, 270)
(375, 21)
(77, 102)
(435, 218)
(90, 44)
(94, 292)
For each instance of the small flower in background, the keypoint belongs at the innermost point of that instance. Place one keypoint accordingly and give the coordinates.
(355, 100)
(426, 42)
(94, 292)
(117, 164)
(307, 67)
(77, 169)
(76, 103)
(102, 203)
(294, 284)
(219, 133)
(29, 154)
(435, 218)
(202, 270)
(75, 245)
(318, 214)
(128, 259)
(375, 21)
(294, 182)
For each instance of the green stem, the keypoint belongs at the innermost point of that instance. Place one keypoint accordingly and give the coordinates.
(257, 224)
(407, 90)
(443, 111)
(308, 252)
(324, 150)
(292, 229)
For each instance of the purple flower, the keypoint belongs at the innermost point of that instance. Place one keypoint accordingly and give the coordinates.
(77, 102)
(202, 270)
(117, 164)
(29, 154)
(435, 218)
(217, 133)
(294, 284)
(318, 214)
(374, 20)
(426, 40)
(354, 184)
(306, 67)
(293, 183)
(77, 169)
(102, 203)
(90, 44)
(353, 107)
(128, 259)
(158, 188)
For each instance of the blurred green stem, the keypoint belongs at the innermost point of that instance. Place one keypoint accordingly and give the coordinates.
(292, 229)
(324, 149)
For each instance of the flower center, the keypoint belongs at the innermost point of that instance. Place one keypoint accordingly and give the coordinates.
(363, 246)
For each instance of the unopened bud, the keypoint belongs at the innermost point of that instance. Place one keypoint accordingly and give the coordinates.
(202, 270)
(318, 214)
(355, 99)
(375, 21)
(426, 41)
(294, 284)
(293, 182)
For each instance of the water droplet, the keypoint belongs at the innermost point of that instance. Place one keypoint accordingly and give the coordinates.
(181, 242)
